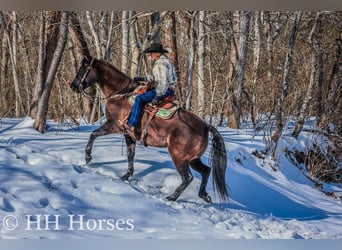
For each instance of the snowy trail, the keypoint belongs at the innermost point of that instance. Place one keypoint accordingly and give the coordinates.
(45, 175)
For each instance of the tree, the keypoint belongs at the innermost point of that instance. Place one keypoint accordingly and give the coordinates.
(334, 92)
(190, 24)
(170, 39)
(134, 45)
(40, 121)
(286, 78)
(12, 51)
(256, 60)
(81, 50)
(238, 77)
(217, 64)
(313, 78)
(125, 41)
(201, 64)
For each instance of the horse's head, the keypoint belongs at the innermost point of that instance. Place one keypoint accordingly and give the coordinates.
(86, 76)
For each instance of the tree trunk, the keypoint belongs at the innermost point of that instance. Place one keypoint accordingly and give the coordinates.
(3, 74)
(201, 65)
(309, 92)
(256, 61)
(241, 67)
(99, 55)
(170, 42)
(40, 69)
(94, 33)
(286, 78)
(81, 49)
(234, 57)
(320, 83)
(12, 52)
(40, 122)
(125, 42)
(154, 34)
(135, 55)
(78, 39)
(28, 70)
(190, 18)
(272, 33)
(109, 37)
(335, 83)
(156, 19)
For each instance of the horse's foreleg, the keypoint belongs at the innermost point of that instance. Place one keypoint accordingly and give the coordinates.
(103, 130)
(130, 157)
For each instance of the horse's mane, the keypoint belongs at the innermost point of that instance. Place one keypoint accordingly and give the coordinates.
(112, 67)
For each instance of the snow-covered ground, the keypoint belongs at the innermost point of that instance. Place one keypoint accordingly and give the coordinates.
(47, 191)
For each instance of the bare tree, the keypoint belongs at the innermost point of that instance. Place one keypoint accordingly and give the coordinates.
(81, 50)
(134, 45)
(240, 69)
(40, 122)
(310, 89)
(125, 41)
(12, 52)
(256, 60)
(102, 41)
(201, 64)
(40, 68)
(3, 73)
(334, 89)
(286, 78)
(190, 21)
(170, 42)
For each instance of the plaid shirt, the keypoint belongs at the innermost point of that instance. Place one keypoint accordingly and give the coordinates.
(164, 75)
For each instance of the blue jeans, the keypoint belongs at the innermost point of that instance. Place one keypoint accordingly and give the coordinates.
(140, 101)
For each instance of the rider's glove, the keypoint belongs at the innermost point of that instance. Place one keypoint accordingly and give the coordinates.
(156, 100)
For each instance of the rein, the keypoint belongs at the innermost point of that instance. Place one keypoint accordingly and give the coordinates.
(110, 97)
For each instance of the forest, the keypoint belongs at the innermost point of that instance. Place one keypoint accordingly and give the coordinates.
(233, 66)
(270, 80)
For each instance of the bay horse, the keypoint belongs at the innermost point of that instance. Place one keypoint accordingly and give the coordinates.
(185, 134)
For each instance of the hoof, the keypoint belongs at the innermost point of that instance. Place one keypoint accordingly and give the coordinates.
(207, 198)
(125, 177)
(88, 158)
(171, 198)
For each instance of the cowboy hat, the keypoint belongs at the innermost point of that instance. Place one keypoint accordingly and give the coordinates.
(155, 48)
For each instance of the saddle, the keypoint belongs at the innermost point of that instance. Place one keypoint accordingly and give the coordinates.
(165, 109)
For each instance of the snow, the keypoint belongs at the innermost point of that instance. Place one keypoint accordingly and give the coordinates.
(47, 191)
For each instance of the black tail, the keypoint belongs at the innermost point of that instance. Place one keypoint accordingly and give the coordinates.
(218, 162)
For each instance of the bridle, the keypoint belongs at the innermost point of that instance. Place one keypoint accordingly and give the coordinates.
(88, 70)
(86, 73)
(85, 94)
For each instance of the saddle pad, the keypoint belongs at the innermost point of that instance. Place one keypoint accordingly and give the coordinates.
(165, 113)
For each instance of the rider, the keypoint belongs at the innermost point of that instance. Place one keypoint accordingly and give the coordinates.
(164, 78)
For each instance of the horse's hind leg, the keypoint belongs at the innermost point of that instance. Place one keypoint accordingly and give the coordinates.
(186, 176)
(130, 156)
(103, 130)
(204, 171)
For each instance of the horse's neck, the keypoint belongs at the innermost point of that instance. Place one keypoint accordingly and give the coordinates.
(113, 82)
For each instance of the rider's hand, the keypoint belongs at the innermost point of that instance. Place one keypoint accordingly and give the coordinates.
(156, 100)
(149, 78)
(139, 79)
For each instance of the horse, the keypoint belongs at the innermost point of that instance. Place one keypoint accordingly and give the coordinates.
(185, 134)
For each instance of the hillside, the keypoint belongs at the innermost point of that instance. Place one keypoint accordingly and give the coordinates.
(46, 191)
